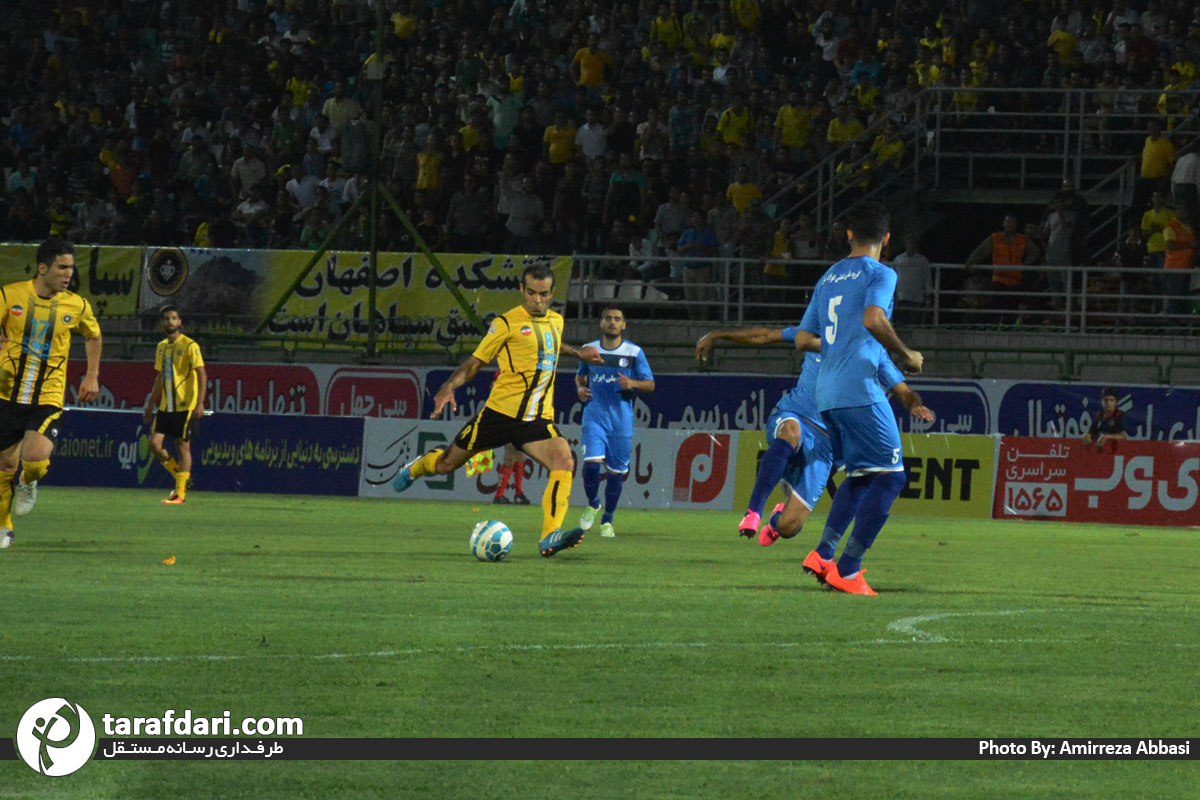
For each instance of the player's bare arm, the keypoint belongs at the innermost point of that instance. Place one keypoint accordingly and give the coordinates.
(586, 353)
(808, 342)
(153, 400)
(201, 389)
(633, 384)
(465, 373)
(89, 387)
(749, 336)
(912, 401)
(875, 320)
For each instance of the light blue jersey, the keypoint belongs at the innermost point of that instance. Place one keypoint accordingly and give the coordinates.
(850, 355)
(608, 415)
(802, 399)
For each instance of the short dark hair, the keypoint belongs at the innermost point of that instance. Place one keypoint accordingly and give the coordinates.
(167, 309)
(52, 248)
(1108, 392)
(869, 222)
(538, 272)
(608, 308)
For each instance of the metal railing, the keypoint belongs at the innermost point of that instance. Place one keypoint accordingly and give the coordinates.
(737, 291)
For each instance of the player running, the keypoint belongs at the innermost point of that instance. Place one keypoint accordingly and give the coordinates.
(37, 318)
(847, 321)
(607, 392)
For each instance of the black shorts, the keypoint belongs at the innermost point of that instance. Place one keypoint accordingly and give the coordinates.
(492, 429)
(17, 418)
(176, 424)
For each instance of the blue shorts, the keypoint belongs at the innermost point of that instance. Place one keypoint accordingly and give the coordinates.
(611, 447)
(807, 471)
(865, 438)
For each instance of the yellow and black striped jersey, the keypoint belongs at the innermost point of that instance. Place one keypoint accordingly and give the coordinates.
(37, 341)
(526, 351)
(177, 362)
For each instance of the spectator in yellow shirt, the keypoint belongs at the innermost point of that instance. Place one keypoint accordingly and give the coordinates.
(1157, 218)
(743, 190)
(793, 123)
(845, 127)
(1158, 156)
(560, 139)
(735, 125)
(589, 65)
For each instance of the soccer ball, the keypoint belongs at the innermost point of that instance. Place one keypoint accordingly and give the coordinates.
(491, 541)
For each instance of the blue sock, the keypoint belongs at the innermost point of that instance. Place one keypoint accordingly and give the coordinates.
(612, 494)
(770, 473)
(880, 492)
(845, 502)
(591, 482)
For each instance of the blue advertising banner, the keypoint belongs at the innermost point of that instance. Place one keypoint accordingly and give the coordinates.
(1158, 413)
(729, 402)
(231, 453)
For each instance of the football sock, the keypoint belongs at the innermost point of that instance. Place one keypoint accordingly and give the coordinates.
(6, 495)
(518, 473)
(424, 465)
(181, 480)
(612, 495)
(506, 471)
(35, 470)
(170, 465)
(770, 473)
(591, 482)
(555, 500)
(874, 506)
(845, 501)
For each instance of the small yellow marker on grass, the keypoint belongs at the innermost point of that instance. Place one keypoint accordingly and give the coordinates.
(169, 560)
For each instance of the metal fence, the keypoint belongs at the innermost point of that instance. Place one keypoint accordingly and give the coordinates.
(738, 291)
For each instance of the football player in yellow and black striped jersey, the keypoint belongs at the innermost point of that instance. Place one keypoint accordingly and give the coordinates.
(178, 394)
(37, 318)
(525, 343)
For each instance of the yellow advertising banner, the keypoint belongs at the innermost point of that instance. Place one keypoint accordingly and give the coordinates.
(109, 277)
(949, 475)
(413, 303)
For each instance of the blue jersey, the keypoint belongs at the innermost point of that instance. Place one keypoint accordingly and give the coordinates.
(850, 355)
(802, 399)
(611, 406)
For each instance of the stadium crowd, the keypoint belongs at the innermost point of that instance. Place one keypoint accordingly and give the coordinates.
(515, 125)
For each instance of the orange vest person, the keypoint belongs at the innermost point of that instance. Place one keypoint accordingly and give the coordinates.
(1005, 248)
(1181, 245)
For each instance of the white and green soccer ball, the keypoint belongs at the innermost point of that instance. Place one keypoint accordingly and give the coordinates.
(491, 541)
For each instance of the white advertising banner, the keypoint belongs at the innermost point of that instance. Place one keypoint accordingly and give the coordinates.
(667, 468)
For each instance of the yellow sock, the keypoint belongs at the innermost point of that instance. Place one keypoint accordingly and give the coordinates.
(35, 470)
(555, 500)
(424, 465)
(181, 479)
(6, 495)
(171, 465)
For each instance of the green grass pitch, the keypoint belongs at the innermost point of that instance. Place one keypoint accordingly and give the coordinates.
(371, 619)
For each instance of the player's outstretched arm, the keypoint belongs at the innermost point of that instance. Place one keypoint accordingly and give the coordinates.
(586, 353)
(875, 320)
(465, 373)
(749, 336)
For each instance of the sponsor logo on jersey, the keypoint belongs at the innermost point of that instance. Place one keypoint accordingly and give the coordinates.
(67, 319)
(526, 330)
(16, 311)
(624, 362)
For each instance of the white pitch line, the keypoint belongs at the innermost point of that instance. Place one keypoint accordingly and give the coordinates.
(908, 625)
